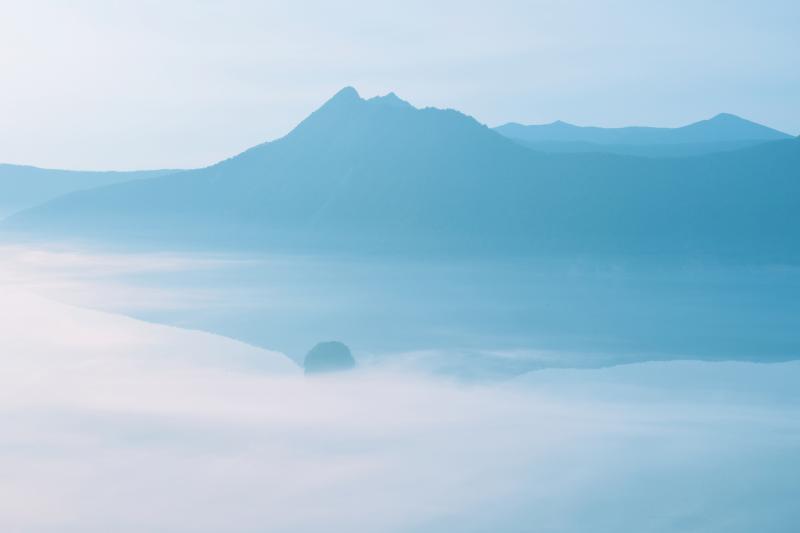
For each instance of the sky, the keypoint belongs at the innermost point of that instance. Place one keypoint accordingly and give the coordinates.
(120, 84)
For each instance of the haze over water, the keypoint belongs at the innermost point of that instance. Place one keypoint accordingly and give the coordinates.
(407, 267)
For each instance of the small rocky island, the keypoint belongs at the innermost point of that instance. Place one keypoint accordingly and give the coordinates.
(331, 356)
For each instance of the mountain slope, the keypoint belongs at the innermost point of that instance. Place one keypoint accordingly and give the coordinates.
(25, 186)
(380, 176)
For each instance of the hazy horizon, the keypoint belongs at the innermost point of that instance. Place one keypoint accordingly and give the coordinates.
(367, 97)
(406, 314)
(139, 85)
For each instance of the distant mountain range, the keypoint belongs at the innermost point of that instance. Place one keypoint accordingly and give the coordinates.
(720, 133)
(24, 186)
(382, 177)
(640, 150)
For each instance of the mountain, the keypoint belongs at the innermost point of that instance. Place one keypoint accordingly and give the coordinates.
(723, 132)
(640, 150)
(383, 177)
(719, 129)
(26, 186)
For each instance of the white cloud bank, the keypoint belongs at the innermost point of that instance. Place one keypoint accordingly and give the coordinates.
(111, 424)
(98, 280)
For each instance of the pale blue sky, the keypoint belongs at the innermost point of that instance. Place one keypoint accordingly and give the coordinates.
(143, 84)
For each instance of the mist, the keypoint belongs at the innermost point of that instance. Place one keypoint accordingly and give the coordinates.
(413, 267)
(472, 319)
(114, 423)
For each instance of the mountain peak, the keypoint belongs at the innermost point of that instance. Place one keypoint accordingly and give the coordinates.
(390, 100)
(726, 117)
(344, 102)
(729, 126)
(348, 98)
(347, 94)
(349, 120)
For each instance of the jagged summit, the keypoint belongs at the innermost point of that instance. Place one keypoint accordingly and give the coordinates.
(391, 100)
(348, 97)
(348, 122)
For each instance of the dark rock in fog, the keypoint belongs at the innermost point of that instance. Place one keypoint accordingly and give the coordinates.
(327, 357)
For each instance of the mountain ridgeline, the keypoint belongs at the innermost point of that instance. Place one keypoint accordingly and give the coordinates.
(380, 176)
(720, 133)
(22, 187)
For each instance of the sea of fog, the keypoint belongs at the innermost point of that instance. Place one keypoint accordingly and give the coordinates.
(114, 423)
(464, 318)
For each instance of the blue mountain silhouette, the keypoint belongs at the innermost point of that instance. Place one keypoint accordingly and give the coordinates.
(721, 133)
(380, 176)
(724, 127)
(25, 186)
